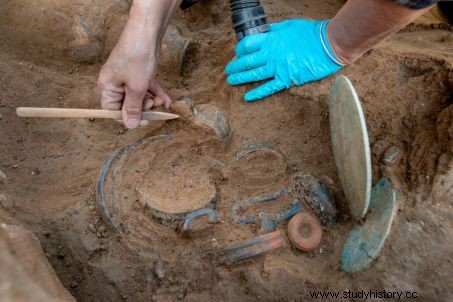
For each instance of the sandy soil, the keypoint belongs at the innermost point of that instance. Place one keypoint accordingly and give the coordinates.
(50, 54)
(26, 275)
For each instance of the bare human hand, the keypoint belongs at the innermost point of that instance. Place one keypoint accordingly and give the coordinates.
(127, 84)
(126, 80)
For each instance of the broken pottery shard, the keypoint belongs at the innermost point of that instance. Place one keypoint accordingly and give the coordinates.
(315, 196)
(364, 242)
(212, 117)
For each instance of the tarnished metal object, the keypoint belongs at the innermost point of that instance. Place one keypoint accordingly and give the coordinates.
(112, 183)
(107, 180)
(363, 243)
(260, 146)
(184, 107)
(275, 240)
(205, 114)
(350, 145)
(190, 194)
(307, 191)
(253, 247)
(234, 213)
(315, 196)
(212, 117)
(187, 224)
(269, 223)
(174, 49)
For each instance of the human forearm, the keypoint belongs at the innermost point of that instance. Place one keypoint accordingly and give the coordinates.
(126, 80)
(148, 19)
(361, 24)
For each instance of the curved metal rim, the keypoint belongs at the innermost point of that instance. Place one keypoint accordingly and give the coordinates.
(252, 147)
(366, 144)
(100, 185)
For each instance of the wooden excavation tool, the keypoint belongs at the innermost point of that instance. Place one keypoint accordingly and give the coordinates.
(89, 113)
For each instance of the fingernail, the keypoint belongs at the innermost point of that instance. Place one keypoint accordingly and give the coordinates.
(132, 123)
(144, 123)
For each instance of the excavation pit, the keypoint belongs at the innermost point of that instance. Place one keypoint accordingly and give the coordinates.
(404, 85)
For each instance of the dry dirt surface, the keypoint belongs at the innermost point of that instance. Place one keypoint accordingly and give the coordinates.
(26, 275)
(50, 54)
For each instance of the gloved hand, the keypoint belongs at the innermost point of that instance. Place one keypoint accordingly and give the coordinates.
(293, 52)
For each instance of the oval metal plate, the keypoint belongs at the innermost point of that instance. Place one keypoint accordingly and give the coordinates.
(363, 243)
(350, 145)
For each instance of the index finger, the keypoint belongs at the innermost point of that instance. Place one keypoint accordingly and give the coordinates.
(251, 44)
(159, 92)
(111, 100)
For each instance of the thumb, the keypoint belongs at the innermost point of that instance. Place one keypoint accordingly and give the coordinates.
(132, 106)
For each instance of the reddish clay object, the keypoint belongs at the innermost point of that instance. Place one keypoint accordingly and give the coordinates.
(295, 225)
(253, 247)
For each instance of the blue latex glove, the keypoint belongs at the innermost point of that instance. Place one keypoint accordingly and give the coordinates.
(293, 52)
